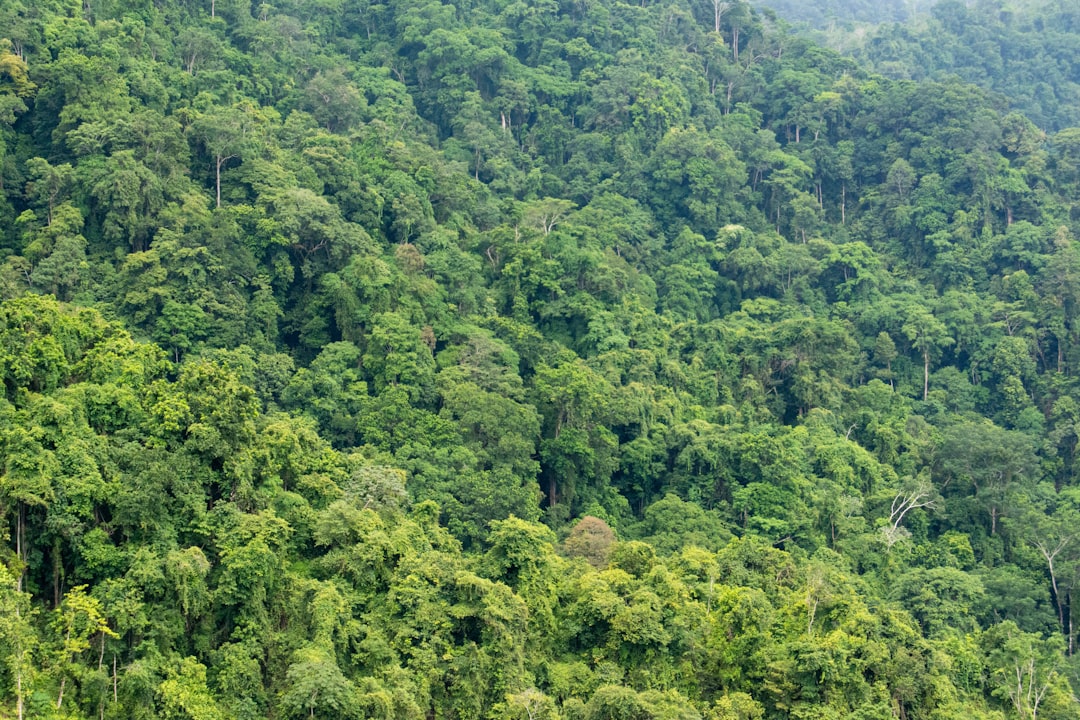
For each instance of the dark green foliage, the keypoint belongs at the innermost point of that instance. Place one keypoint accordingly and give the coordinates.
(540, 360)
(1024, 50)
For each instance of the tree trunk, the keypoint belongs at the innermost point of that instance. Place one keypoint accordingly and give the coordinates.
(1057, 594)
(926, 375)
(56, 573)
(18, 675)
(20, 525)
(1072, 635)
(217, 180)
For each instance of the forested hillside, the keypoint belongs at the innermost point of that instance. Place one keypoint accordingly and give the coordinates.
(837, 13)
(1027, 50)
(579, 360)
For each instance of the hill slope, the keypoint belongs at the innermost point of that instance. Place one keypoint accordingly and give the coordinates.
(348, 298)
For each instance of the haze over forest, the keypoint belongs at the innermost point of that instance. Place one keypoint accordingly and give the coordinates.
(561, 359)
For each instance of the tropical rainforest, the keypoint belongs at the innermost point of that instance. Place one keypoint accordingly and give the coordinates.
(849, 14)
(1027, 51)
(546, 359)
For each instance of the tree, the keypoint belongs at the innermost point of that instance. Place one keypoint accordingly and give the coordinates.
(228, 134)
(48, 185)
(612, 702)
(18, 639)
(74, 624)
(942, 599)
(698, 175)
(531, 704)
(988, 459)
(1050, 526)
(576, 444)
(592, 539)
(185, 695)
(928, 335)
(335, 101)
(129, 196)
(398, 356)
(920, 494)
(1024, 667)
(737, 706)
(885, 353)
(317, 688)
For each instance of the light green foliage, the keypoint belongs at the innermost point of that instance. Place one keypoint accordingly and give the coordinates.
(530, 360)
(18, 640)
(184, 695)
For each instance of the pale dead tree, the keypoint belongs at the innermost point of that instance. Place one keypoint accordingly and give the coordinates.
(1050, 550)
(1028, 689)
(920, 496)
(534, 703)
(720, 8)
(546, 213)
(1025, 667)
(817, 592)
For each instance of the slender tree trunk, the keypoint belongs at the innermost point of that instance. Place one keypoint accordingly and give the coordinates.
(18, 671)
(217, 180)
(926, 375)
(1041, 354)
(56, 573)
(1057, 594)
(1072, 635)
(20, 524)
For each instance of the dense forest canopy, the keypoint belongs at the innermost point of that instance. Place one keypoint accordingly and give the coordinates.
(563, 359)
(846, 13)
(1026, 50)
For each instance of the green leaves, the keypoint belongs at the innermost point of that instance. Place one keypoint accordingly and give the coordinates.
(185, 696)
(420, 275)
(317, 688)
